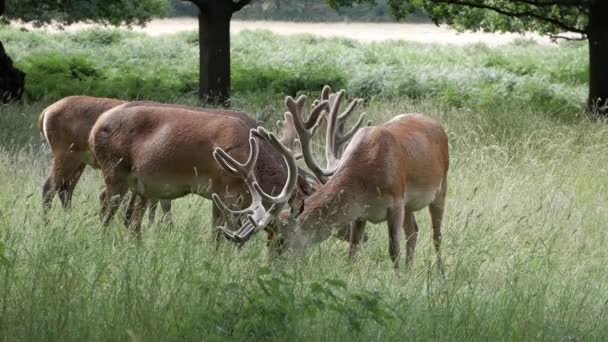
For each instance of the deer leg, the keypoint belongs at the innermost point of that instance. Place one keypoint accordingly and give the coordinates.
(343, 233)
(165, 205)
(436, 211)
(49, 189)
(395, 216)
(66, 177)
(102, 202)
(131, 207)
(65, 173)
(48, 192)
(410, 228)
(357, 230)
(112, 197)
(65, 194)
(152, 205)
(139, 209)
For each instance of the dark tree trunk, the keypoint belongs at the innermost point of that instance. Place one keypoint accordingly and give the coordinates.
(598, 58)
(214, 47)
(11, 78)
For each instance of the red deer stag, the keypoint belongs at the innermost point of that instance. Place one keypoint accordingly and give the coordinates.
(386, 173)
(161, 152)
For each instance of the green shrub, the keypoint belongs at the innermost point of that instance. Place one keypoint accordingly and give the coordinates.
(57, 75)
(99, 37)
(130, 65)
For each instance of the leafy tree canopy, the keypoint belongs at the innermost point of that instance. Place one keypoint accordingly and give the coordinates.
(66, 12)
(543, 16)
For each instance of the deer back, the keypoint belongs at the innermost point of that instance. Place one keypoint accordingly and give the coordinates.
(382, 163)
(67, 123)
(172, 143)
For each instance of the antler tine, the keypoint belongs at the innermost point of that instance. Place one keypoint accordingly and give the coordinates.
(330, 136)
(316, 114)
(342, 138)
(243, 170)
(220, 158)
(218, 202)
(254, 147)
(289, 134)
(342, 118)
(256, 210)
(313, 129)
(305, 135)
(258, 216)
(352, 106)
(242, 235)
(247, 230)
(325, 92)
(232, 165)
(292, 168)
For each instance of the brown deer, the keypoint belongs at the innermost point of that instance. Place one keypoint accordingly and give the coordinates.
(386, 173)
(66, 125)
(166, 152)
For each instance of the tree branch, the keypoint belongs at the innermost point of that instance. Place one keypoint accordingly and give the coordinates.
(237, 6)
(548, 3)
(524, 14)
(555, 37)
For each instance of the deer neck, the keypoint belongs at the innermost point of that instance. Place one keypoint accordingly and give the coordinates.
(334, 205)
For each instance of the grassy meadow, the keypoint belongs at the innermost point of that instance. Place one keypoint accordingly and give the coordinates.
(524, 229)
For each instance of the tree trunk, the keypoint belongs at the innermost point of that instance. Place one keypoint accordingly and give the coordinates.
(12, 79)
(214, 47)
(598, 59)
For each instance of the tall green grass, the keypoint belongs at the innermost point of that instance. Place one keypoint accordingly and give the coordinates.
(524, 249)
(524, 231)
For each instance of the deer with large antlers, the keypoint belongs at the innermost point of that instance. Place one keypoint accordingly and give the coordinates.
(167, 152)
(386, 173)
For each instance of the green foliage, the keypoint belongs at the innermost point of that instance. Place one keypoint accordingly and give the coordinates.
(65, 73)
(547, 17)
(68, 12)
(95, 38)
(509, 15)
(118, 63)
(302, 10)
(313, 10)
